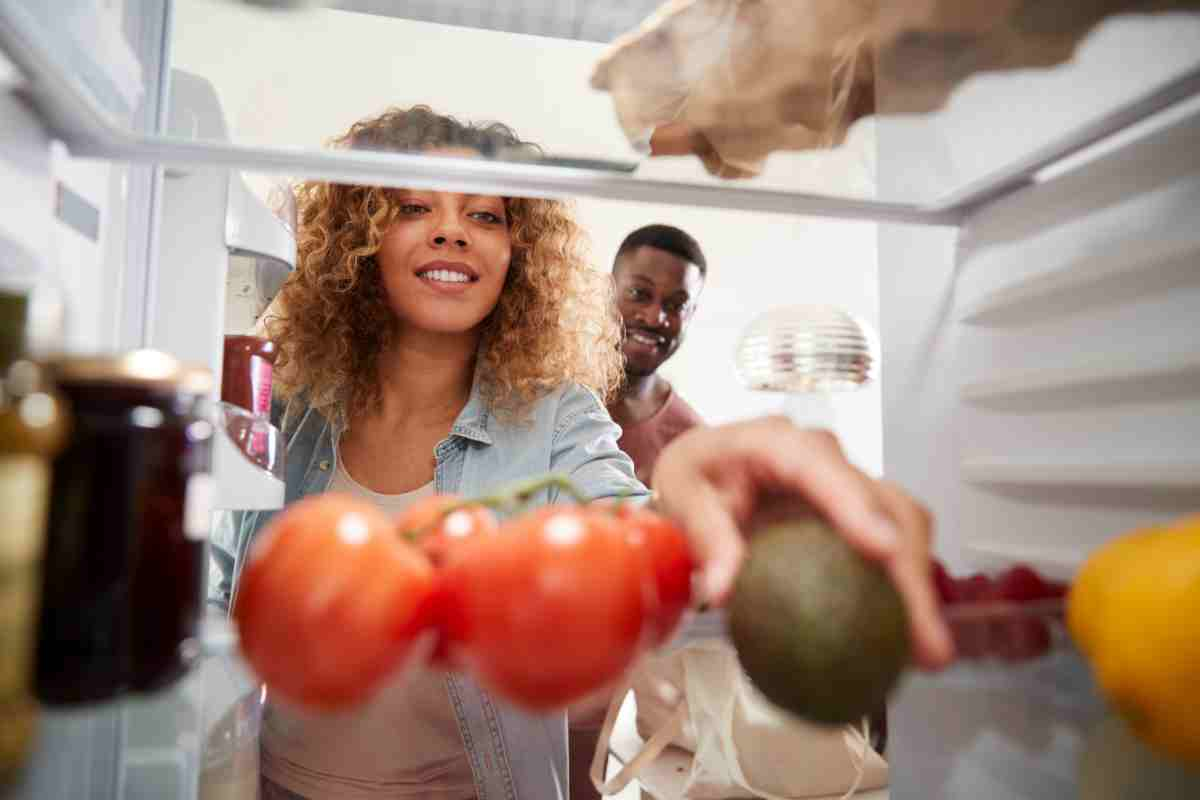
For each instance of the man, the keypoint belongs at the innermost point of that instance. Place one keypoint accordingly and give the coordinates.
(659, 271)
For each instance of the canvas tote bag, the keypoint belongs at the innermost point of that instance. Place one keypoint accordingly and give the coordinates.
(696, 696)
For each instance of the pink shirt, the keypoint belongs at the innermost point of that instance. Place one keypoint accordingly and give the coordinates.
(644, 440)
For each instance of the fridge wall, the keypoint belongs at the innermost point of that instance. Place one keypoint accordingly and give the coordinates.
(1041, 386)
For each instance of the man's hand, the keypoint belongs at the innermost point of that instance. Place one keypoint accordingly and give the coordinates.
(714, 479)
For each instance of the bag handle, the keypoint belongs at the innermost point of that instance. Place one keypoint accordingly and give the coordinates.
(651, 748)
(860, 768)
(863, 735)
(670, 729)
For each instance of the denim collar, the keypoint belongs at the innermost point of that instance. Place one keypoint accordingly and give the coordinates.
(472, 422)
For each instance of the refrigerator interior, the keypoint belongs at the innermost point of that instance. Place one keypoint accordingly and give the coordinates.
(1028, 255)
(1040, 392)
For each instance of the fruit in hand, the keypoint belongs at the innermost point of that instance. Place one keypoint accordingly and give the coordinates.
(820, 630)
(331, 601)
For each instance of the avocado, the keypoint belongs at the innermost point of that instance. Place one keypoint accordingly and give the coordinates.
(820, 630)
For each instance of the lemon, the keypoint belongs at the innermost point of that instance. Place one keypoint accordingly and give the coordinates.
(1134, 611)
(1089, 590)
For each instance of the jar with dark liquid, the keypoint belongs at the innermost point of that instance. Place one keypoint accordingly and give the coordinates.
(123, 575)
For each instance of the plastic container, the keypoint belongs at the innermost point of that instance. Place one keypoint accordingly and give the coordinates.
(246, 373)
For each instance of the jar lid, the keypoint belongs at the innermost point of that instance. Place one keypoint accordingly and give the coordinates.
(151, 369)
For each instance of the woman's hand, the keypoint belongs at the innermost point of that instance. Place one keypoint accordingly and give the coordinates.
(713, 480)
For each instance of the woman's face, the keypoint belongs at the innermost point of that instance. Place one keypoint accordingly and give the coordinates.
(444, 259)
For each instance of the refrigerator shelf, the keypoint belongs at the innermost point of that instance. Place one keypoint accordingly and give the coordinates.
(1146, 474)
(1083, 381)
(72, 111)
(1138, 258)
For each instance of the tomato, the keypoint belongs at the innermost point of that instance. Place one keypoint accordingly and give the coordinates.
(549, 609)
(669, 562)
(437, 532)
(330, 601)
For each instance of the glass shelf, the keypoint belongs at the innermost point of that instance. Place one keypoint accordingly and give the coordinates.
(290, 80)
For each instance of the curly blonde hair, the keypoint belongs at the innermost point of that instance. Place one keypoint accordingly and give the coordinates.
(555, 321)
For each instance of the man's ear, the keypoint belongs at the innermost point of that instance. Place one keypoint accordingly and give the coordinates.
(695, 304)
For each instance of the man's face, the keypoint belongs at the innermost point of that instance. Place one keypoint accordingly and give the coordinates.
(656, 295)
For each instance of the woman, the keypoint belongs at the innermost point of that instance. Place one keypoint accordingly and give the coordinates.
(434, 341)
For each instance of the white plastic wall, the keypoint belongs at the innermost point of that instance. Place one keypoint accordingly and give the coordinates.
(1041, 380)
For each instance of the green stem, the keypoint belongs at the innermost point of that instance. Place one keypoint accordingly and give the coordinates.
(524, 492)
(623, 497)
(512, 497)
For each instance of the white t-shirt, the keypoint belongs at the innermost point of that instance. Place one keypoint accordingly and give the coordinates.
(403, 743)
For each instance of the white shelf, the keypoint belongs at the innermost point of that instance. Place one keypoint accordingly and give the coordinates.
(1111, 371)
(1141, 255)
(71, 111)
(1132, 474)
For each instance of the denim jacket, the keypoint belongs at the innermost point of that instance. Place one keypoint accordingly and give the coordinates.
(513, 755)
